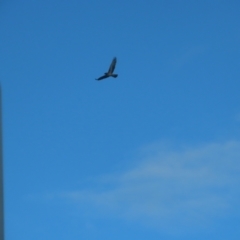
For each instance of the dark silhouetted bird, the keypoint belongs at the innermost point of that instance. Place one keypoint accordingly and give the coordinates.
(110, 70)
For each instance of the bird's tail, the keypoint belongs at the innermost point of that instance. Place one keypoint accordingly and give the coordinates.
(114, 75)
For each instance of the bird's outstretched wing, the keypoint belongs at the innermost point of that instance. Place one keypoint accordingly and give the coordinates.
(102, 77)
(112, 66)
(110, 71)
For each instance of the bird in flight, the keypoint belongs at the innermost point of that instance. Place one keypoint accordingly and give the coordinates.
(110, 70)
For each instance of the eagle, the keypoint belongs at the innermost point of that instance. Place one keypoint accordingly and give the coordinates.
(110, 71)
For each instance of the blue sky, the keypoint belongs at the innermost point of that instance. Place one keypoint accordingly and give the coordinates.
(152, 154)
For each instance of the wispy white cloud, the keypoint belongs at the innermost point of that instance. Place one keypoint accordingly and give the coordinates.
(187, 187)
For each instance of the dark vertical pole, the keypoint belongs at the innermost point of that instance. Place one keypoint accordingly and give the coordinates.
(1, 174)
